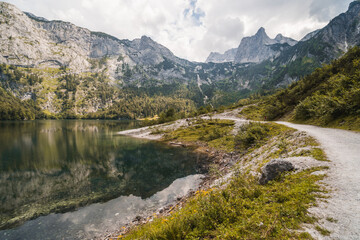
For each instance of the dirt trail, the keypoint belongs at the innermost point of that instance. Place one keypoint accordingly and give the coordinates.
(343, 150)
(341, 212)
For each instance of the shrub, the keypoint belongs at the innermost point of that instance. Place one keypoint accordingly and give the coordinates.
(251, 134)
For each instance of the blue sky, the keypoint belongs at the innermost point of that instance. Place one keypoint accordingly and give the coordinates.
(191, 28)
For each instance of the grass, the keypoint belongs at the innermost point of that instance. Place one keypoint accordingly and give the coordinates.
(254, 134)
(319, 154)
(323, 231)
(216, 133)
(243, 210)
(330, 219)
(254, 112)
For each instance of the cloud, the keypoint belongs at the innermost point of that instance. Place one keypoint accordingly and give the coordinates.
(191, 28)
(325, 10)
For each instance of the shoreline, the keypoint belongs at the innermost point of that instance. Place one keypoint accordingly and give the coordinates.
(224, 162)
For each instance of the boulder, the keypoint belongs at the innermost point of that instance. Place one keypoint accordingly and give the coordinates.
(273, 169)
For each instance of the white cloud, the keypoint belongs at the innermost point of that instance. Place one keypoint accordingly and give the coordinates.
(191, 28)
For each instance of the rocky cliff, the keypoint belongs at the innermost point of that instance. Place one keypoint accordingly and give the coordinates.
(254, 49)
(260, 47)
(216, 57)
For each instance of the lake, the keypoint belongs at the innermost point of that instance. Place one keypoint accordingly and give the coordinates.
(76, 179)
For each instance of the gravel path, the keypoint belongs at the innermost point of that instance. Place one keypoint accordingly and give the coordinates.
(341, 212)
(343, 150)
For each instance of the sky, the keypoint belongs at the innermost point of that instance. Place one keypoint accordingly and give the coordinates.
(191, 29)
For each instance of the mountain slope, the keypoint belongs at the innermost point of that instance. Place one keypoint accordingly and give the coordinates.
(328, 97)
(322, 46)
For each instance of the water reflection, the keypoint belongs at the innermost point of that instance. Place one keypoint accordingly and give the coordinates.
(57, 166)
(98, 219)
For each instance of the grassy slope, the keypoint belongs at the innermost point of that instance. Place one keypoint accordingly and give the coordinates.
(330, 96)
(243, 209)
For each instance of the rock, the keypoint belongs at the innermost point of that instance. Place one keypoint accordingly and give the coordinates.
(216, 57)
(273, 169)
(137, 219)
(260, 47)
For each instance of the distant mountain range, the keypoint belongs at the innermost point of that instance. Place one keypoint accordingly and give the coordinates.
(254, 49)
(145, 68)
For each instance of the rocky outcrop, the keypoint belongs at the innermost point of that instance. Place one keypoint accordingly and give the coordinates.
(254, 49)
(261, 47)
(216, 57)
(273, 169)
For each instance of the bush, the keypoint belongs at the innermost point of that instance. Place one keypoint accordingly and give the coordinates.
(251, 134)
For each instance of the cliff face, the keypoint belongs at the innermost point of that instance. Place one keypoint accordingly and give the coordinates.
(27, 40)
(216, 57)
(260, 47)
(254, 49)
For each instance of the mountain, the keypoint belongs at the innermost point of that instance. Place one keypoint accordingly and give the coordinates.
(31, 41)
(330, 96)
(216, 57)
(254, 49)
(309, 35)
(319, 47)
(57, 69)
(260, 47)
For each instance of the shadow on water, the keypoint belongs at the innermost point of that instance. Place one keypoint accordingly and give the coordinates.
(58, 166)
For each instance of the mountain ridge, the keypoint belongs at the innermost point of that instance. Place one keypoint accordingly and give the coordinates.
(254, 49)
(71, 58)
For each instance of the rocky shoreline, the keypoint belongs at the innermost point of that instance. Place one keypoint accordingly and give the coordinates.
(221, 160)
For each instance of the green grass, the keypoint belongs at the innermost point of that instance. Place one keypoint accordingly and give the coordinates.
(323, 231)
(254, 112)
(243, 210)
(216, 133)
(255, 134)
(330, 219)
(319, 154)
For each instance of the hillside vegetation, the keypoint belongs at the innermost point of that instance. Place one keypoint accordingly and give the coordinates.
(330, 96)
(30, 93)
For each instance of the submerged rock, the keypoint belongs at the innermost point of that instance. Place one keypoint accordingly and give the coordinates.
(273, 169)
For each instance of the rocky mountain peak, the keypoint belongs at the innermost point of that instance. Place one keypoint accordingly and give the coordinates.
(285, 40)
(279, 37)
(36, 18)
(261, 47)
(354, 4)
(146, 39)
(261, 36)
(261, 32)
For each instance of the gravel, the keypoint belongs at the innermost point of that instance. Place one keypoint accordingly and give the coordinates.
(341, 212)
